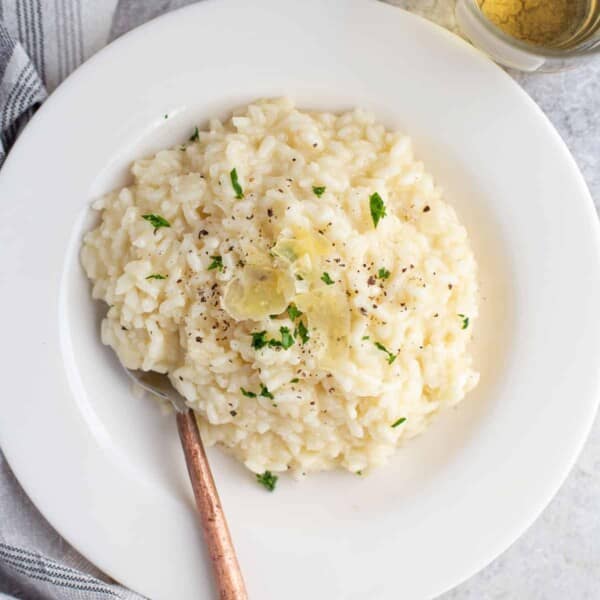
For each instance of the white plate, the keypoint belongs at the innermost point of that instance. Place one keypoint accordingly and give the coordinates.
(105, 467)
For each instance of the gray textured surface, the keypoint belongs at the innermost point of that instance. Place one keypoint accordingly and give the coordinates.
(558, 558)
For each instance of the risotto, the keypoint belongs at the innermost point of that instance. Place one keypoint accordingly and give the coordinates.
(301, 280)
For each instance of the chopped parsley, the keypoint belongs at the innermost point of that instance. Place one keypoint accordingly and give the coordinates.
(156, 221)
(319, 190)
(293, 312)
(327, 279)
(377, 208)
(195, 137)
(239, 192)
(383, 273)
(302, 332)
(359, 473)
(465, 321)
(259, 339)
(391, 357)
(365, 337)
(217, 263)
(295, 380)
(156, 276)
(398, 422)
(265, 393)
(268, 480)
(287, 339)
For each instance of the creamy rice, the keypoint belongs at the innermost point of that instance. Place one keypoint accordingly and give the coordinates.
(387, 310)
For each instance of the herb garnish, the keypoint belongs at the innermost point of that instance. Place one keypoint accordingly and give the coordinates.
(365, 337)
(327, 279)
(156, 276)
(293, 312)
(217, 263)
(302, 332)
(259, 339)
(195, 137)
(156, 221)
(239, 192)
(247, 393)
(377, 208)
(268, 480)
(319, 190)
(265, 393)
(287, 339)
(391, 357)
(398, 422)
(465, 321)
(295, 380)
(383, 273)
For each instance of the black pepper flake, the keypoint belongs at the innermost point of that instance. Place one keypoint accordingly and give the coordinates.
(202, 232)
(233, 413)
(449, 286)
(280, 190)
(270, 212)
(371, 280)
(123, 328)
(404, 270)
(180, 378)
(179, 281)
(436, 315)
(198, 339)
(363, 310)
(426, 209)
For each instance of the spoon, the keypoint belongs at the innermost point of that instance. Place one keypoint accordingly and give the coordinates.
(228, 576)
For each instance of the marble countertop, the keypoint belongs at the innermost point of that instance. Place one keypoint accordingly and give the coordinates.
(558, 558)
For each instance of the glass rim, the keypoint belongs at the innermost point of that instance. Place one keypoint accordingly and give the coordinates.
(541, 51)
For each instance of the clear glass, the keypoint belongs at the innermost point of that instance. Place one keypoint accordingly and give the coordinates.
(509, 51)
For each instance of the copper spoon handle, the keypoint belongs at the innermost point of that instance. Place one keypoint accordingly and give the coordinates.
(228, 575)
